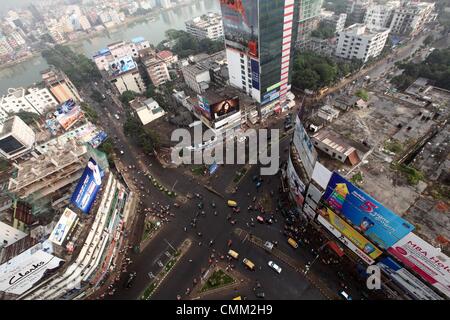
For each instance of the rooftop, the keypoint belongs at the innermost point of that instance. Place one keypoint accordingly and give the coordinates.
(205, 20)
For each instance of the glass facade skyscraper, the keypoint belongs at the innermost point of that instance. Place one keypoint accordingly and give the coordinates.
(260, 39)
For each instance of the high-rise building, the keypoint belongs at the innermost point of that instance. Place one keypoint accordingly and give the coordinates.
(409, 19)
(380, 15)
(206, 26)
(16, 138)
(308, 18)
(356, 10)
(260, 39)
(359, 42)
(35, 100)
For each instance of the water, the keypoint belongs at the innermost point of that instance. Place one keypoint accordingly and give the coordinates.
(28, 72)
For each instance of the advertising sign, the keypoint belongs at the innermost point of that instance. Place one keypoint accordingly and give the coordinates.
(416, 288)
(225, 107)
(240, 24)
(23, 271)
(296, 185)
(203, 107)
(255, 74)
(98, 139)
(305, 148)
(427, 261)
(367, 215)
(88, 186)
(63, 227)
(354, 236)
(269, 97)
(122, 65)
(344, 240)
(68, 113)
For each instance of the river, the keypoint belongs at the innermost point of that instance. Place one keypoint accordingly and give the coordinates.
(28, 72)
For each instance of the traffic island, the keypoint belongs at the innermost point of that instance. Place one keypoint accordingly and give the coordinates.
(151, 228)
(166, 269)
(217, 279)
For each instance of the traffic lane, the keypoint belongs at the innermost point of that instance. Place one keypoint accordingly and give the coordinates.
(287, 285)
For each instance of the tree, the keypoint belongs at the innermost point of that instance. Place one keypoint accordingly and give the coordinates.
(363, 94)
(90, 113)
(128, 96)
(150, 92)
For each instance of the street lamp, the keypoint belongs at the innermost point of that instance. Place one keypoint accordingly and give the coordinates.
(310, 264)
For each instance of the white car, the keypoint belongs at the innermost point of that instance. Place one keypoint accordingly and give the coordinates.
(345, 295)
(274, 266)
(121, 152)
(117, 116)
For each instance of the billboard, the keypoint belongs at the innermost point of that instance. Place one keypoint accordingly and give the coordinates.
(203, 107)
(255, 73)
(88, 186)
(427, 261)
(122, 65)
(98, 139)
(225, 107)
(304, 147)
(367, 215)
(323, 221)
(240, 24)
(269, 97)
(405, 279)
(63, 227)
(350, 233)
(22, 272)
(296, 186)
(68, 113)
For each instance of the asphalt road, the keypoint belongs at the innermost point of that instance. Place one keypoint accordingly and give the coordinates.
(288, 285)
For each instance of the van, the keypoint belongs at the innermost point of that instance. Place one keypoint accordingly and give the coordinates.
(233, 254)
(249, 264)
(293, 243)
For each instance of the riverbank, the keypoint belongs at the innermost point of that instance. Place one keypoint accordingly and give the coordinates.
(153, 16)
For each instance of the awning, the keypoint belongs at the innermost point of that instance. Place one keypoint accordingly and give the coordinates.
(339, 251)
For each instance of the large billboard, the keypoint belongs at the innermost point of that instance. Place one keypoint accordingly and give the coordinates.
(270, 96)
(63, 227)
(122, 65)
(240, 24)
(296, 186)
(225, 108)
(98, 139)
(405, 279)
(304, 147)
(88, 186)
(367, 215)
(322, 220)
(22, 272)
(203, 107)
(427, 261)
(350, 233)
(68, 113)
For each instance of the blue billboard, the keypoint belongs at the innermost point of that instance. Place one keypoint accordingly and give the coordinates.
(88, 186)
(269, 97)
(255, 74)
(98, 139)
(368, 216)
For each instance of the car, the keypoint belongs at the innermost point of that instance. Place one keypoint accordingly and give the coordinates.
(121, 152)
(345, 295)
(260, 295)
(117, 116)
(274, 266)
(260, 219)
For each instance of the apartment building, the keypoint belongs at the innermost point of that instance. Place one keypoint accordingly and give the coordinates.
(206, 26)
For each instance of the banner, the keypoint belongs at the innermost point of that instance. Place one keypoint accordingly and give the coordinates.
(354, 236)
(240, 24)
(296, 186)
(98, 139)
(427, 261)
(304, 147)
(63, 227)
(225, 107)
(405, 279)
(368, 216)
(255, 74)
(344, 240)
(88, 186)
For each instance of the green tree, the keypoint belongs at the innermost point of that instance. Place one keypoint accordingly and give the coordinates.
(150, 92)
(90, 113)
(128, 96)
(363, 94)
